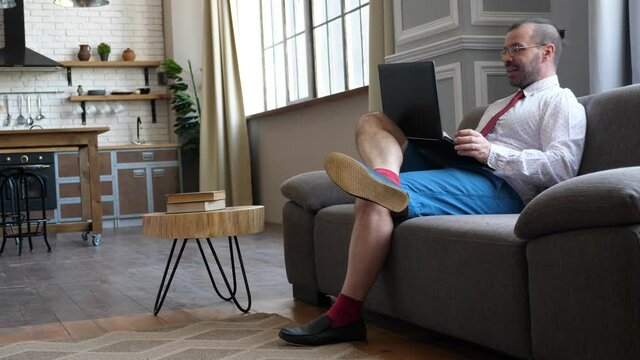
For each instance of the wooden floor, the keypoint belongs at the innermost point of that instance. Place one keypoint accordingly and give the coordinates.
(79, 290)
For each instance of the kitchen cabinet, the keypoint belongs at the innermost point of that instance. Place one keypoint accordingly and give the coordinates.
(134, 181)
(145, 176)
(68, 186)
(133, 192)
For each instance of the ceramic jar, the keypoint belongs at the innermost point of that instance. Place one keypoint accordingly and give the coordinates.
(128, 55)
(85, 52)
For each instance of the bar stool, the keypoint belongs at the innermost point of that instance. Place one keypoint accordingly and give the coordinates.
(19, 190)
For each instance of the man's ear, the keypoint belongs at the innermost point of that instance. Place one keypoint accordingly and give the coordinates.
(549, 50)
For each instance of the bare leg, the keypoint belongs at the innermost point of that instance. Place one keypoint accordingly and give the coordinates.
(380, 144)
(370, 242)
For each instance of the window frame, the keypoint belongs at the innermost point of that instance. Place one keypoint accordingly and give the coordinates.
(311, 60)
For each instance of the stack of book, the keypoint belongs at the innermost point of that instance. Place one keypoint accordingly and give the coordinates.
(195, 201)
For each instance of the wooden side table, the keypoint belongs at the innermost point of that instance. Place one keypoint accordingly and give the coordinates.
(230, 222)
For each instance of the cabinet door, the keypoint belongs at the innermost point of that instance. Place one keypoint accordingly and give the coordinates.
(166, 180)
(69, 165)
(132, 191)
(74, 211)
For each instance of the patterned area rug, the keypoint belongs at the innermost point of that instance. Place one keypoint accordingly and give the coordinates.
(252, 336)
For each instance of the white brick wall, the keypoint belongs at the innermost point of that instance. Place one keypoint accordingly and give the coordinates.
(56, 32)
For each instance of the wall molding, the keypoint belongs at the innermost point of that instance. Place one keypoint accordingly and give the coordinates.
(463, 42)
(482, 70)
(425, 30)
(504, 18)
(454, 72)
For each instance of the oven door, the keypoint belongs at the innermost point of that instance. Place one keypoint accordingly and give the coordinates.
(34, 191)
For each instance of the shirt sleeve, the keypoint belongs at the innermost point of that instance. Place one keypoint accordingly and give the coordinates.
(561, 141)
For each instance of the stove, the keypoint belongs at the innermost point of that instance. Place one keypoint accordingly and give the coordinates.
(40, 163)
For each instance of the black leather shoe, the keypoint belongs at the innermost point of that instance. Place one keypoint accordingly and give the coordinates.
(320, 332)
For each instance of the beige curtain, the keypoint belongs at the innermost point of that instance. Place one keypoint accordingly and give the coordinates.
(224, 142)
(381, 44)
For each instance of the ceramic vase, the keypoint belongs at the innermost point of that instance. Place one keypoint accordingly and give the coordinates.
(128, 55)
(85, 52)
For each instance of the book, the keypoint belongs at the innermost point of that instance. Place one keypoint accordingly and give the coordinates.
(196, 206)
(195, 196)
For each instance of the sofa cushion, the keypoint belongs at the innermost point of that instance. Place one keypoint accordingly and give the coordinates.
(605, 198)
(313, 191)
(612, 129)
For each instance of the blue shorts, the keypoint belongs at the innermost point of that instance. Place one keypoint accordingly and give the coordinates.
(435, 190)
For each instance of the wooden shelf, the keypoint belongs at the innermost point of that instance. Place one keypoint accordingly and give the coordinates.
(103, 64)
(146, 97)
(118, 97)
(146, 64)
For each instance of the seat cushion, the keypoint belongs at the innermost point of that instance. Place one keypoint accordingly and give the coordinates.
(465, 276)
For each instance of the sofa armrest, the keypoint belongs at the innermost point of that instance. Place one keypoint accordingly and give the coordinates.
(604, 198)
(314, 191)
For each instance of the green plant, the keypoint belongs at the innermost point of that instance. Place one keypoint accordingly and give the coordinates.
(104, 48)
(187, 117)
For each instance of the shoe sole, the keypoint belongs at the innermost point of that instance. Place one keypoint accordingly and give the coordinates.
(356, 180)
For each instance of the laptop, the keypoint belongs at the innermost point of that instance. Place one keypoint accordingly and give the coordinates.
(410, 99)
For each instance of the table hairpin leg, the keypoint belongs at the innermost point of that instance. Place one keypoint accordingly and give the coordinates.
(159, 302)
(232, 291)
(213, 282)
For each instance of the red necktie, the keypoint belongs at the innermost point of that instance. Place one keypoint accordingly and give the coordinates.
(519, 95)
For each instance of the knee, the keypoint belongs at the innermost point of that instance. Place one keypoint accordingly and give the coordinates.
(371, 122)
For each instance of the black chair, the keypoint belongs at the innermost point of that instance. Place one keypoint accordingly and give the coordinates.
(22, 207)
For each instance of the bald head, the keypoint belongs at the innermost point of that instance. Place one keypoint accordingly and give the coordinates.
(544, 32)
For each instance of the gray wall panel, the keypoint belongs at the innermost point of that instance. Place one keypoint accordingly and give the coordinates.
(499, 87)
(419, 12)
(446, 101)
(517, 6)
(572, 15)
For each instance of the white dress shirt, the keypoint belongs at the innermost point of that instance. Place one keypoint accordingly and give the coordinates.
(539, 141)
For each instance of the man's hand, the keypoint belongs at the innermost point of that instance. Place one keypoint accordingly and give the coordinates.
(471, 143)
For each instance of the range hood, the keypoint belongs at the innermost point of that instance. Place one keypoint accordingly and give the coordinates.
(15, 55)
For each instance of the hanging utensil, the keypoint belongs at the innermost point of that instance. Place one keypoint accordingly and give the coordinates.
(30, 120)
(7, 121)
(39, 101)
(20, 120)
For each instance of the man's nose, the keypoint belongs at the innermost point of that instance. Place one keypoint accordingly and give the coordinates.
(506, 57)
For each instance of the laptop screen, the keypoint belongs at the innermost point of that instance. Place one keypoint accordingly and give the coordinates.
(410, 98)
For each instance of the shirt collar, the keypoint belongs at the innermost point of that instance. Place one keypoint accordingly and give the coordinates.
(541, 85)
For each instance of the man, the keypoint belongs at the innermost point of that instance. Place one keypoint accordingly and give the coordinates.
(532, 140)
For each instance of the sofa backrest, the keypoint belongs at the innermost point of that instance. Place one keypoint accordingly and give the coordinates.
(613, 129)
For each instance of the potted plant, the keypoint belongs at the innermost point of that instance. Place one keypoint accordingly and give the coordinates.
(187, 123)
(104, 49)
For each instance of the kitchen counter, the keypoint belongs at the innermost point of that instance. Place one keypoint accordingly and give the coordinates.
(136, 147)
(85, 140)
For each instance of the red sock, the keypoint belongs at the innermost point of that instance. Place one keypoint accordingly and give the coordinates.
(344, 311)
(389, 175)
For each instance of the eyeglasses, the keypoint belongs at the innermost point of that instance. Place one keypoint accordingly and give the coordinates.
(515, 49)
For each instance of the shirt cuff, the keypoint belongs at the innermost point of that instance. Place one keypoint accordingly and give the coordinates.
(499, 155)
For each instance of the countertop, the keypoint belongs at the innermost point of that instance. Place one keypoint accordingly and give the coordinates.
(53, 131)
(99, 130)
(136, 147)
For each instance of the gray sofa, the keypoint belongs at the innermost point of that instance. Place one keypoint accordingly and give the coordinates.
(561, 280)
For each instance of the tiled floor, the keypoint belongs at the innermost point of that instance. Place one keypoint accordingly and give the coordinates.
(79, 290)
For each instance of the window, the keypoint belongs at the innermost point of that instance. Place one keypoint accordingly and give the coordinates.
(295, 50)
